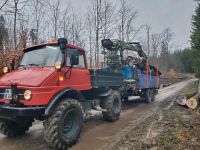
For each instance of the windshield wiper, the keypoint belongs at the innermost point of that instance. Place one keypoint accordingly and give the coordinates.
(33, 65)
(21, 65)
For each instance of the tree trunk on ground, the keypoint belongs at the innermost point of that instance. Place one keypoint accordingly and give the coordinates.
(193, 102)
(181, 99)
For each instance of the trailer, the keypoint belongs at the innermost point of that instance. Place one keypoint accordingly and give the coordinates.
(139, 78)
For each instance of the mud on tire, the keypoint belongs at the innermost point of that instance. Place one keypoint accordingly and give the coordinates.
(62, 128)
(112, 104)
(148, 96)
(11, 128)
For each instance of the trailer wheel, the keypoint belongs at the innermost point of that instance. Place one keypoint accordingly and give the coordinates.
(12, 129)
(112, 104)
(63, 127)
(147, 96)
(153, 93)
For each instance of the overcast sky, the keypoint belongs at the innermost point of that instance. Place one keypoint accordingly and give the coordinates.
(160, 14)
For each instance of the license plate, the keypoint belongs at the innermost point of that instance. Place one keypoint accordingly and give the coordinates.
(7, 94)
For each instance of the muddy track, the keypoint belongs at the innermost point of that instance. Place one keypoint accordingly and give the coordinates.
(98, 134)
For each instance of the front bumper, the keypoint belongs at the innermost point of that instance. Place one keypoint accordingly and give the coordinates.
(9, 111)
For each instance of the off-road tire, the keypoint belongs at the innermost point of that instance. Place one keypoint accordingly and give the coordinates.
(112, 104)
(153, 94)
(12, 129)
(55, 125)
(147, 96)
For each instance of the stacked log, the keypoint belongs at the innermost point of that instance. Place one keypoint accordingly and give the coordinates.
(190, 100)
(193, 102)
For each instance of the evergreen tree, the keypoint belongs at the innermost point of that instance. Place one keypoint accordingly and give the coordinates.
(195, 40)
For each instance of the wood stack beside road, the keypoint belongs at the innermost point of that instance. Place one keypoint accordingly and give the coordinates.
(190, 100)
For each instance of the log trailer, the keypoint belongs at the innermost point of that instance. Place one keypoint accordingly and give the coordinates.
(139, 78)
(53, 84)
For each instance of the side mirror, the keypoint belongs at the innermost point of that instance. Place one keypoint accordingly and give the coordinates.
(74, 60)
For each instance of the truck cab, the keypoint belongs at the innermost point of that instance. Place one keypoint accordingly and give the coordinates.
(38, 76)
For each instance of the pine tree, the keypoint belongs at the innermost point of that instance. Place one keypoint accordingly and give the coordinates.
(195, 40)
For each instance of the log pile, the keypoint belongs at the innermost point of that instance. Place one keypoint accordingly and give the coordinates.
(190, 100)
(193, 101)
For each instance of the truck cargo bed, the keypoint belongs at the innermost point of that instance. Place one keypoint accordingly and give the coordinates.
(102, 78)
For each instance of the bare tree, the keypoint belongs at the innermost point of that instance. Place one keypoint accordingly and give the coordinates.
(127, 16)
(3, 33)
(54, 8)
(167, 35)
(66, 20)
(156, 41)
(148, 28)
(74, 27)
(108, 16)
(14, 8)
(97, 15)
(165, 51)
(4, 3)
(89, 28)
(38, 13)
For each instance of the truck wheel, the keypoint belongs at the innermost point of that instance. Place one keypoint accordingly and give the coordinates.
(11, 128)
(112, 104)
(63, 126)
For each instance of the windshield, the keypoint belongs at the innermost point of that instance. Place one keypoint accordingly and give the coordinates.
(45, 56)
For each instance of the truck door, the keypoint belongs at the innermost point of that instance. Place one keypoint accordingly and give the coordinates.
(78, 76)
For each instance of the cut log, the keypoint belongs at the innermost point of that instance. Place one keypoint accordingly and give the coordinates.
(181, 100)
(191, 94)
(193, 102)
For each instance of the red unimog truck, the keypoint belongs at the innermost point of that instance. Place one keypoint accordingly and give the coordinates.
(53, 84)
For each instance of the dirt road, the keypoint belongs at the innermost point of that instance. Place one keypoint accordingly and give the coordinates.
(98, 134)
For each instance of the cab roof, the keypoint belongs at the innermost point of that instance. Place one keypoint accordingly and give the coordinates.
(51, 44)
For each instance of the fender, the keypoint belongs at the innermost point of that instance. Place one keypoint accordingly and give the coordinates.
(60, 96)
(105, 94)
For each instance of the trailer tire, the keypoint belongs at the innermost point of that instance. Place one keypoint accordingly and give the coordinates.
(153, 95)
(112, 104)
(63, 126)
(147, 96)
(12, 129)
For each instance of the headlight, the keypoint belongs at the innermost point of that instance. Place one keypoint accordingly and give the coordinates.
(5, 70)
(57, 65)
(27, 95)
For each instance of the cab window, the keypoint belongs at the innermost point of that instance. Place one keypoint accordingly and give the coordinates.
(81, 58)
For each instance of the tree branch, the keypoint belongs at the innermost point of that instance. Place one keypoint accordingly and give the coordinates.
(3, 4)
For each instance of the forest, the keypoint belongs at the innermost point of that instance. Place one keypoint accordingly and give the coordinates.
(29, 22)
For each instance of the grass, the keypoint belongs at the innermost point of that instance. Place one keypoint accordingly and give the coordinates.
(174, 136)
(189, 89)
(180, 130)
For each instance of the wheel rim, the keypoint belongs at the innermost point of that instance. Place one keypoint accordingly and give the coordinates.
(70, 124)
